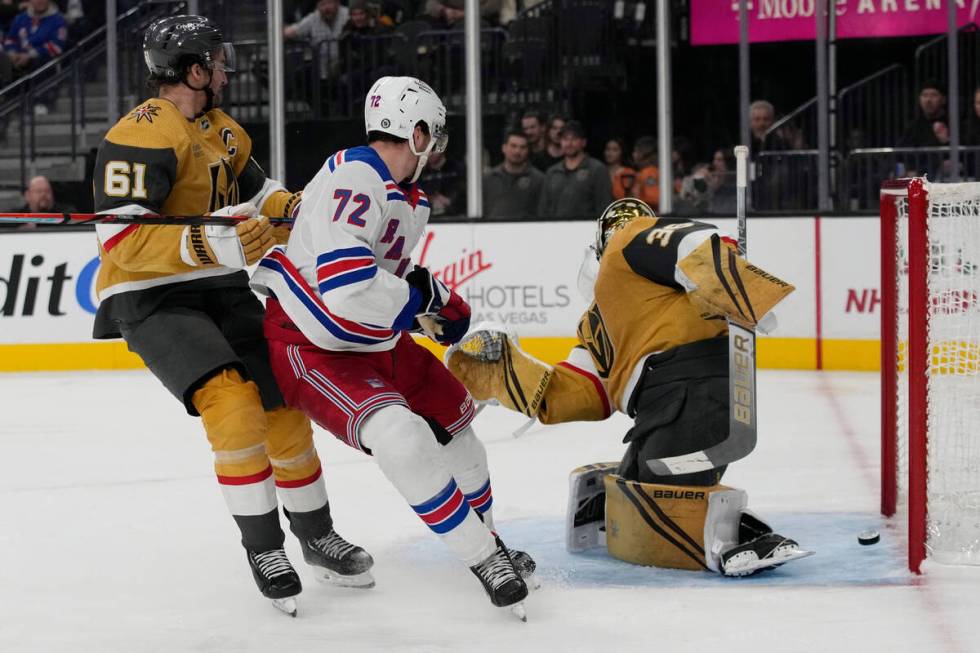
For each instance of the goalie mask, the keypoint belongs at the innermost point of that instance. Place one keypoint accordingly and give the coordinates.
(615, 217)
(395, 105)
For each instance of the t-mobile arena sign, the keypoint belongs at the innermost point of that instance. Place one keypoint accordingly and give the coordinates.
(715, 22)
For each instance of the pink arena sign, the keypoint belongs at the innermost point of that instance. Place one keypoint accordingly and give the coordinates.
(715, 22)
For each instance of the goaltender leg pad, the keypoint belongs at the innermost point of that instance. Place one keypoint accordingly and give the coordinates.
(585, 524)
(493, 367)
(725, 285)
(658, 525)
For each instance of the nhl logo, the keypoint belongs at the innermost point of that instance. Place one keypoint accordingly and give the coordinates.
(385, 124)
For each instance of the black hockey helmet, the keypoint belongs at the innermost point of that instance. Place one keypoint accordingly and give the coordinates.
(173, 44)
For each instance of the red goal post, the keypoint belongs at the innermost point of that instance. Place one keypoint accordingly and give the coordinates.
(930, 366)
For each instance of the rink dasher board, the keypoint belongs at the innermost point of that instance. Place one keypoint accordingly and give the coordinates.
(520, 274)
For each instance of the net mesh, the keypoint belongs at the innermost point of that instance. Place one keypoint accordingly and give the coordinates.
(953, 406)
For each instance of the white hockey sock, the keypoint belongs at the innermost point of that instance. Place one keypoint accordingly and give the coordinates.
(409, 456)
(466, 458)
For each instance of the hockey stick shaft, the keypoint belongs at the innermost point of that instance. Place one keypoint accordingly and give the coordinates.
(742, 424)
(128, 218)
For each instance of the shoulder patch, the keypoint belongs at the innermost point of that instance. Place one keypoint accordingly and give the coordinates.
(146, 112)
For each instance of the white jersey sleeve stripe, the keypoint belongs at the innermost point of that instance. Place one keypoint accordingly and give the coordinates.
(342, 267)
(276, 276)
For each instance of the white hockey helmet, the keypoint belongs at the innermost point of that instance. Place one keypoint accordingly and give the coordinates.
(395, 105)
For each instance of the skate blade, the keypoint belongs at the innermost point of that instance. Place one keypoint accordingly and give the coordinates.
(777, 559)
(363, 580)
(518, 611)
(287, 605)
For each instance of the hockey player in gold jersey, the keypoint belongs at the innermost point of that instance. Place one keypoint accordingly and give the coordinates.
(179, 296)
(653, 344)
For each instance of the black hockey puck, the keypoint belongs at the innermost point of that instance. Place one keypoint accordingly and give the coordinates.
(868, 537)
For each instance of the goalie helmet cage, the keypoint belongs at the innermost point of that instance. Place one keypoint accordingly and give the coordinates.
(930, 366)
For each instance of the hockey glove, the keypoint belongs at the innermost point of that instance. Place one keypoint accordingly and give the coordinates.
(443, 315)
(721, 284)
(281, 232)
(233, 246)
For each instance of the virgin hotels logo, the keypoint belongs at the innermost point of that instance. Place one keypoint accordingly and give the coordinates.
(465, 267)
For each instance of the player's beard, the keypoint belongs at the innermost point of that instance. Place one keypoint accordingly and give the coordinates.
(214, 99)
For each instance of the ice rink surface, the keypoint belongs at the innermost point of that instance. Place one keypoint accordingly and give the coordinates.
(114, 538)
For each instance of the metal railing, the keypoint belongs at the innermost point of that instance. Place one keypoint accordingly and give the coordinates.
(69, 74)
(330, 79)
(795, 127)
(865, 169)
(931, 63)
(785, 181)
(874, 111)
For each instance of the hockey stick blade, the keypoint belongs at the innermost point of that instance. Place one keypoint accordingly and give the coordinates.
(75, 219)
(742, 428)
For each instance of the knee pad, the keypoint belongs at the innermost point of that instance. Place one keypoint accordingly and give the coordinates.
(671, 526)
(404, 448)
(290, 445)
(235, 422)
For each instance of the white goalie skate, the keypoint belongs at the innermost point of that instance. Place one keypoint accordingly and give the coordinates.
(765, 552)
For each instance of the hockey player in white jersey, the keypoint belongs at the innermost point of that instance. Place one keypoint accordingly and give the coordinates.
(342, 298)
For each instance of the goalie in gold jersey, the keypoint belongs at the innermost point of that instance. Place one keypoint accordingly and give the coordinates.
(653, 344)
(180, 298)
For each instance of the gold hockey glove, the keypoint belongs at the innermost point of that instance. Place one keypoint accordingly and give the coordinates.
(493, 367)
(725, 285)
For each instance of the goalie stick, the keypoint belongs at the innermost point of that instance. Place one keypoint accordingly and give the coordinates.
(74, 219)
(742, 426)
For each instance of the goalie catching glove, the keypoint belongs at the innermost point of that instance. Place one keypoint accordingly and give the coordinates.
(721, 284)
(493, 367)
(443, 315)
(235, 246)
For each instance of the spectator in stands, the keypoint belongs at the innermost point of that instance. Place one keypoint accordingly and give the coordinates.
(621, 175)
(971, 127)
(448, 14)
(721, 182)
(694, 191)
(8, 11)
(444, 181)
(930, 128)
(510, 8)
(552, 152)
(578, 186)
(762, 116)
(647, 184)
(39, 198)
(532, 123)
(322, 29)
(512, 189)
(363, 58)
(37, 35)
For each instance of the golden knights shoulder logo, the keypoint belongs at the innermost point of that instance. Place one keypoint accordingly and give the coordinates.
(592, 331)
(145, 112)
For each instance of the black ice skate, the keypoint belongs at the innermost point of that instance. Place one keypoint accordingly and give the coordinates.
(502, 582)
(276, 578)
(759, 549)
(338, 562)
(525, 566)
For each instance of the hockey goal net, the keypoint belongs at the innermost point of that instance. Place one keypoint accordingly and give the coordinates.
(930, 366)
